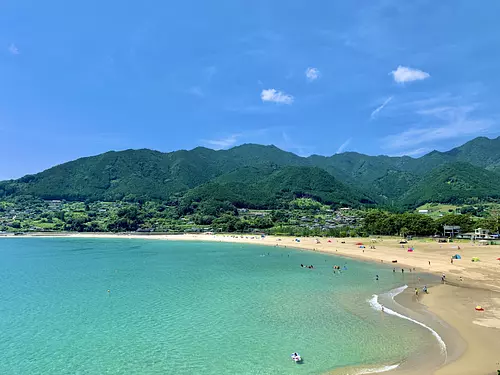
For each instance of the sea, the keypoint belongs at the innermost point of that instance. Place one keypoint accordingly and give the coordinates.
(139, 306)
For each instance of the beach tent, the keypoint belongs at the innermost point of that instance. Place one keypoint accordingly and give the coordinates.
(361, 247)
(456, 256)
(329, 241)
(475, 259)
(498, 258)
(410, 250)
(359, 243)
(297, 240)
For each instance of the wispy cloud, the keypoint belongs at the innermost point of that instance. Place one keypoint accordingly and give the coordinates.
(404, 74)
(312, 74)
(210, 72)
(196, 91)
(13, 49)
(445, 123)
(417, 152)
(221, 143)
(343, 146)
(380, 107)
(288, 144)
(275, 96)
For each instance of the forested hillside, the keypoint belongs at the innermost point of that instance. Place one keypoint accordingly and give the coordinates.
(259, 176)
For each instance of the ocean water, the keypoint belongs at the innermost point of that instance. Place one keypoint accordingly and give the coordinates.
(177, 307)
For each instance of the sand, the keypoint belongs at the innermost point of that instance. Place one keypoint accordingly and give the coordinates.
(472, 337)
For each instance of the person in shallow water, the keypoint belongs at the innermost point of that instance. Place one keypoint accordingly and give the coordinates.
(376, 277)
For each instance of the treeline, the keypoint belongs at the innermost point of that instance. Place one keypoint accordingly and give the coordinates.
(378, 222)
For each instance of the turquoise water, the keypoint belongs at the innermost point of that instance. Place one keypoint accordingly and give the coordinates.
(189, 308)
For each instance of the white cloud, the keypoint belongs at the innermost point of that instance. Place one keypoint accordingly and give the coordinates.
(13, 49)
(312, 74)
(223, 142)
(196, 91)
(404, 74)
(380, 107)
(273, 95)
(343, 146)
(453, 122)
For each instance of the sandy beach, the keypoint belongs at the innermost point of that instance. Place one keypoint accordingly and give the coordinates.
(472, 337)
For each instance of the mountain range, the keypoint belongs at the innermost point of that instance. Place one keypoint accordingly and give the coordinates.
(257, 176)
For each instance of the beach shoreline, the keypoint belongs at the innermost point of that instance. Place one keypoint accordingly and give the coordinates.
(471, 336)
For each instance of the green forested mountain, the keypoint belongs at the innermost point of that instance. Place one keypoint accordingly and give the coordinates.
(265, 176)
(453, 183)
(272, 187)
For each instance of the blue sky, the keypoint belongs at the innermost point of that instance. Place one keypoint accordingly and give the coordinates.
(377, 77)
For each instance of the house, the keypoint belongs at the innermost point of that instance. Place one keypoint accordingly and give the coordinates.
(451, 230)
(481, 234)
(423, 211)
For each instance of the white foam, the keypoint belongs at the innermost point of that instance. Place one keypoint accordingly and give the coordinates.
(378, 370)
(393, 293)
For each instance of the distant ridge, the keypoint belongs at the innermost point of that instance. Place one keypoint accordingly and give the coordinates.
(266, 176)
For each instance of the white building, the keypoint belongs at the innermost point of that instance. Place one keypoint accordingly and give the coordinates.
(481, 234)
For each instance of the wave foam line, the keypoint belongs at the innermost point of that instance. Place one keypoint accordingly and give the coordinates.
(393, 293)
(378, 370)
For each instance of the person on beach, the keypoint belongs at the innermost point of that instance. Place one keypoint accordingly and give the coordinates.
(429, 262)
(451, 260)
(382, 308)
(425, 289)
(416, 292)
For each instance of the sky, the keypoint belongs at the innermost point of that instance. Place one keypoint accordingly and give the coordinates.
(318, 77)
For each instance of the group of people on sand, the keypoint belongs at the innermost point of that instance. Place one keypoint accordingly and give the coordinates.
(303, 266)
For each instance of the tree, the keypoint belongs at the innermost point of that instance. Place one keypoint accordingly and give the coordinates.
(403, 231)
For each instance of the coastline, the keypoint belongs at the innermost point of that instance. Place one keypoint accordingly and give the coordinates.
(471, 336)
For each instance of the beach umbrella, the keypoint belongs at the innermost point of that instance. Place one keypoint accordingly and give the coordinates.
(359, 243)
(329, 240)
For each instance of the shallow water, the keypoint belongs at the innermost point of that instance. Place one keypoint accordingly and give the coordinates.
(190, 308)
